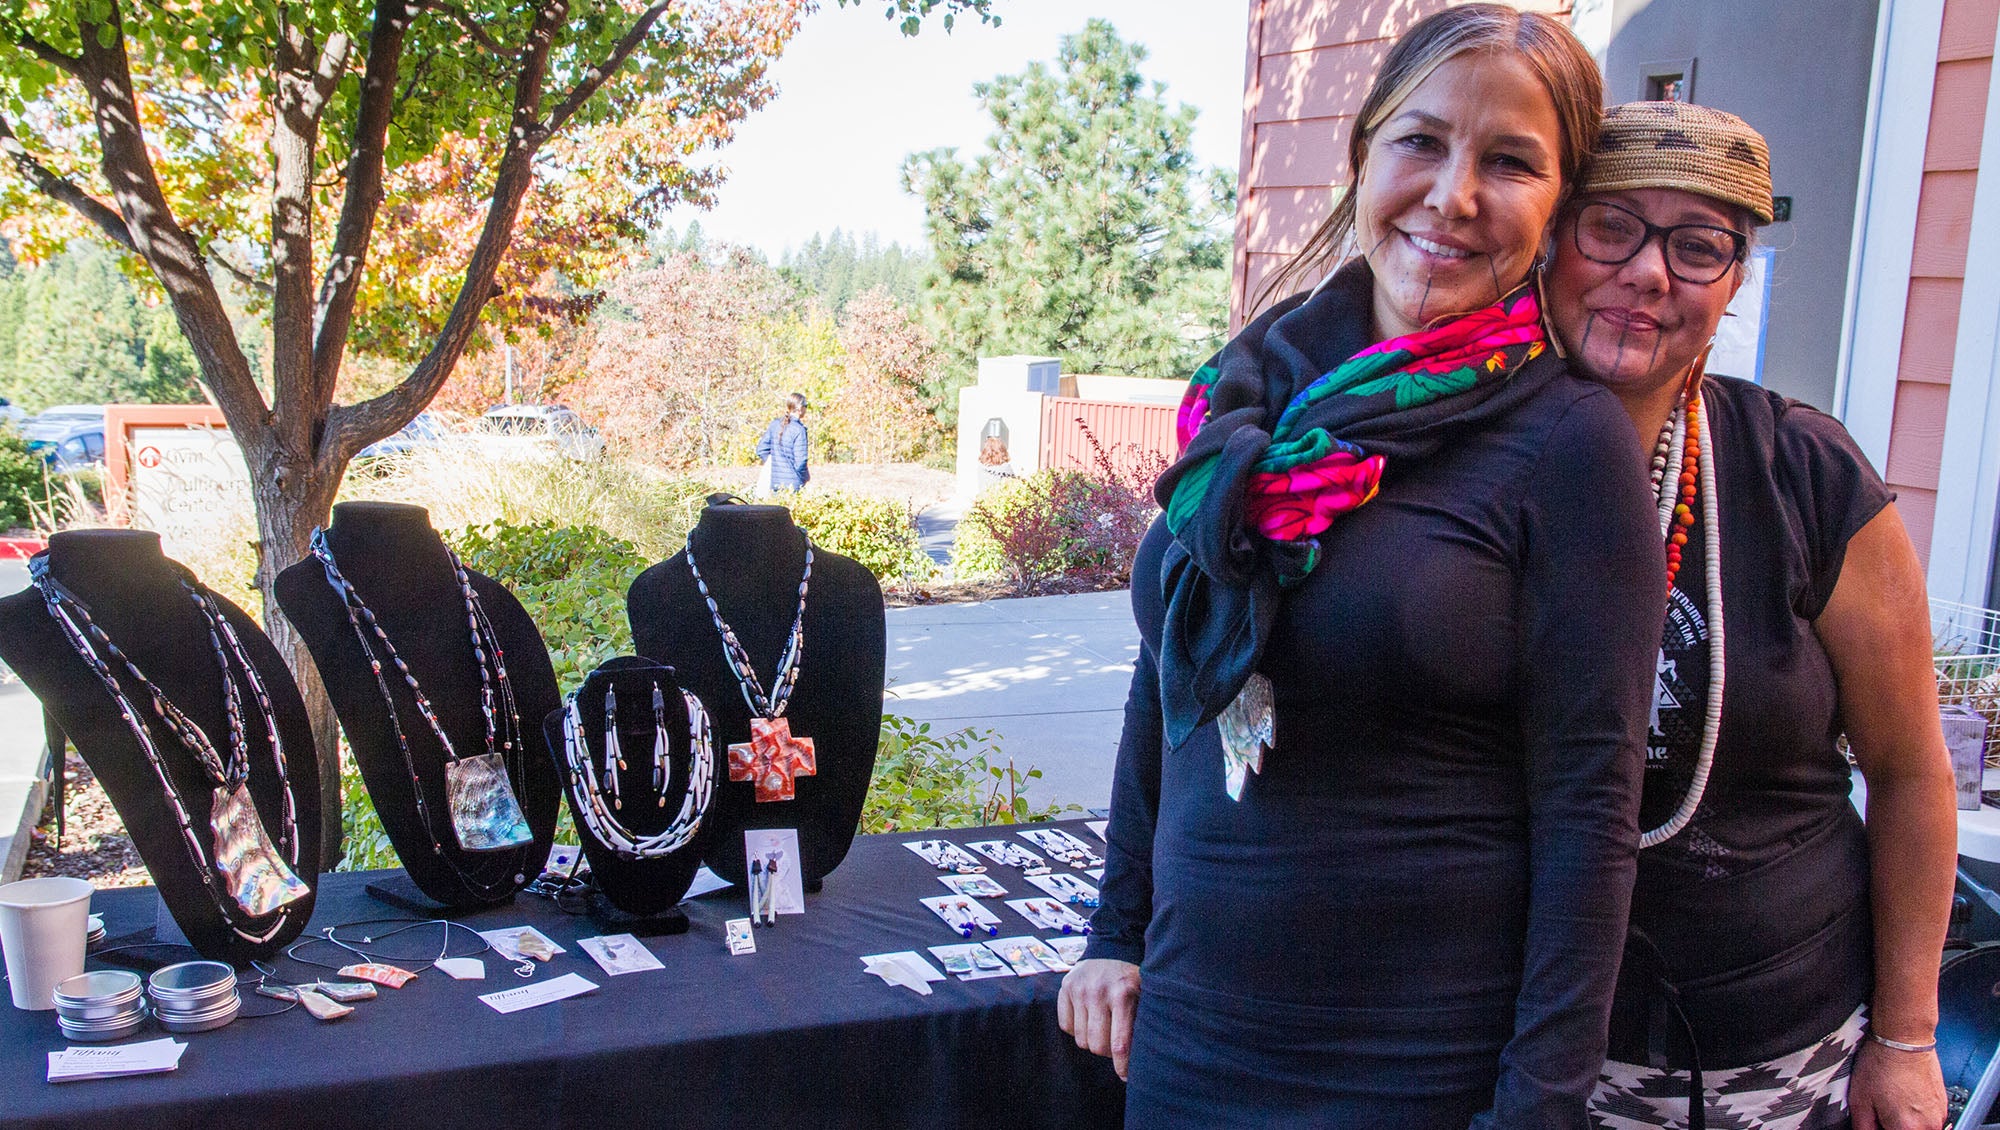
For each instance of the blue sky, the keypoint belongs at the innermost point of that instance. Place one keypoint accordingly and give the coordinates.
(856, 97)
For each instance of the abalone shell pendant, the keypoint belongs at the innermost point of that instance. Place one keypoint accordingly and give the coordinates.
(1248, 727)
(484, 814)
(253, 872)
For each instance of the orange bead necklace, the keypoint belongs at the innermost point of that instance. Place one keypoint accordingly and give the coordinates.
(1681, 519)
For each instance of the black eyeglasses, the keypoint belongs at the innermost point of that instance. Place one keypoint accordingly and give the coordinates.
(1695, 253)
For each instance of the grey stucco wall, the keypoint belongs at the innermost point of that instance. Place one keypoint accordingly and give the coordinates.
(1799, 73)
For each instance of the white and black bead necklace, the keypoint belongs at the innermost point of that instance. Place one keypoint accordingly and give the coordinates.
(227, 775)
(496, 700)
(594, 788)
(761, 704)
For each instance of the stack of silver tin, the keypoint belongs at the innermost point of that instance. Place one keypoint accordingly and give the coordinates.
(194, 996)
(105, 1004)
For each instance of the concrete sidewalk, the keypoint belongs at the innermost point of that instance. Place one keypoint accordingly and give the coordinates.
(1048, 673)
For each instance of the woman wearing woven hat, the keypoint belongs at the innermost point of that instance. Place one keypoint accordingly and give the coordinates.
(1773, 936)
(1374, 816)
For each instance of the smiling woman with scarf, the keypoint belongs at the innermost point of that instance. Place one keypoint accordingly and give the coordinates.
(1374, 816)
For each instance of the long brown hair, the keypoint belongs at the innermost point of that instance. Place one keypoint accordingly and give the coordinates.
(1550, 50)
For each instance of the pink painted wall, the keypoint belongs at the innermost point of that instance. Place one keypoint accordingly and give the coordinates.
(1308, 65)
(1937, 266)
(1135, 437)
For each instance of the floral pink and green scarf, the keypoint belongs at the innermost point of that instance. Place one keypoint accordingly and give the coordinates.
(1286, 429)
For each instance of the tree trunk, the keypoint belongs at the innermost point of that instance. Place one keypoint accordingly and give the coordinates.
(285, 519)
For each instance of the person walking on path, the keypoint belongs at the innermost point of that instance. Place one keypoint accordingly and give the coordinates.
(783, 449)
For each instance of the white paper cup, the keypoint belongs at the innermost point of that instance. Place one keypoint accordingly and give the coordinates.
(42, 928)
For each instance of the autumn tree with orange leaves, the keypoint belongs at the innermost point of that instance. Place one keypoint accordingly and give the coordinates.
(374, 172)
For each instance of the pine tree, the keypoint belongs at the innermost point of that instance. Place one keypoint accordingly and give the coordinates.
(1084, 230)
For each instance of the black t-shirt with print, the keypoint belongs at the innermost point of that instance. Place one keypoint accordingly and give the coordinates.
(1793, 488)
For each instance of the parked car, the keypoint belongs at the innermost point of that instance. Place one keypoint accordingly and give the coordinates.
(538, 429)
(10, 415)
(68, 437)
(427, 430)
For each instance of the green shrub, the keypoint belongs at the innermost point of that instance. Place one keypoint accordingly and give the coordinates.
(925, 780)
(877, 532)
(23, 480)
(368, 847)
(1034, 530)
(572, 581)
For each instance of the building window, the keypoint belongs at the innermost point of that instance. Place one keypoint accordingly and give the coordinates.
(1670, 80)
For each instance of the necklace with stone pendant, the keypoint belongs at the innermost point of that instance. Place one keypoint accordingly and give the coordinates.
(774, 756)
(257, 879)
(486, 816)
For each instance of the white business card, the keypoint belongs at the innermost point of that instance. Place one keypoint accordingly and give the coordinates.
(544, 992)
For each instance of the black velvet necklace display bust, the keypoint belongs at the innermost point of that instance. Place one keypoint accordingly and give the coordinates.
(134, 593)
(638, 886)
(751, 558)
(403, 573)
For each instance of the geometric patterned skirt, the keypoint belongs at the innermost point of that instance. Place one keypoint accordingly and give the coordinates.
(1806, 1090)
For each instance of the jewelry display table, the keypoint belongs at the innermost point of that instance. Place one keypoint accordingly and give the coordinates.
(796, 1034)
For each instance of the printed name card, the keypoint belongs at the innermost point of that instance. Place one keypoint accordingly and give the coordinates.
(546, 992)
(107, 1062)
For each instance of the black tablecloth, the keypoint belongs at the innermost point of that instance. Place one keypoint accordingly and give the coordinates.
(793, 1035)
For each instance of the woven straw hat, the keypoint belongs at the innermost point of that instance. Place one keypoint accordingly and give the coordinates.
(1680, 145)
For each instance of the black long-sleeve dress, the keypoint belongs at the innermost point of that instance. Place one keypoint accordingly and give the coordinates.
(1414, 915)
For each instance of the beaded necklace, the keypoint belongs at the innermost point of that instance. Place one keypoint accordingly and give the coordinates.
(1685, 428)
(492, 820)
(774, 756)
(591, 787)
(787, 675)
(257, 880)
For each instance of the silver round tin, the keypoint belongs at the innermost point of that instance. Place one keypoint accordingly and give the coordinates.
(93, 1032)
(191, 985)
(194, 996)
(99, 994)
(104, 1004)
(200, 1021)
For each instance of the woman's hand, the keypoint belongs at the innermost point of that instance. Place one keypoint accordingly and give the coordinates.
(1099, 998)
(1892, 1090)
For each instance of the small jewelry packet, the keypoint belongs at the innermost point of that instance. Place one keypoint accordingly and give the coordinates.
(1069, 949)
(974, 886)
(619, 953)
(964, 915)
(1048, 914)
(740, 937)
(946, 856)
(1069, 850)
(970, 961)
(1007, 853)
(1028, 956)
(1066, 888)
(518, 943)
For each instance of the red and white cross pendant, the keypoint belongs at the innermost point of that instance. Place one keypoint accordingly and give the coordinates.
(772, 758)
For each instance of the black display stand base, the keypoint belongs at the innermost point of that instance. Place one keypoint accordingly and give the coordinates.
(612, 920)
(813, 886)
(400, 892)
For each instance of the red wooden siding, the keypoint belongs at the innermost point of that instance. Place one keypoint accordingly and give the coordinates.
(1308, 66)
(1129, 433)
(1937, 262)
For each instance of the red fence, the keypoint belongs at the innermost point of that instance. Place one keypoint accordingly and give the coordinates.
(1127, 433)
